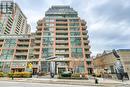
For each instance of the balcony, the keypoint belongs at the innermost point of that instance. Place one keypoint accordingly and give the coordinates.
(37, 46)
(87, 47)
(61, 20)
(85, 37)
(87, 52)
(84, 27)
(36, 52)
(61, 41)
(38, 36)
(62, 46)
(23, 46)
(20, 58)
(83, 22)
(39, 27)
(1, 42)
(39, 22)
(65, 52)
(61, 35)
(62, 30)
(23, 40)
(21, 53)
(37, 41)
(21, 43)
(86, 42)
(61, 26)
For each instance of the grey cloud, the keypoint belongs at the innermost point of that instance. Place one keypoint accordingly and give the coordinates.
(115, 10)
(108, 20)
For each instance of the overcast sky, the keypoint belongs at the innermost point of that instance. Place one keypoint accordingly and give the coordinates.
(108, 21)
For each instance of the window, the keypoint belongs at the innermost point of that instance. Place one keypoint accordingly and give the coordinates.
(74, 28)
(48, 33)
(10, 43)
(75, 41)
(49, 20)
(7, 51)
(49, 29)
(1, 65)
(7, 65)
(7, 54)
(48, 41)
(75, 33)
(74, 24)
(49, 24)
(74, 20)
(47, 52)
(76, 52)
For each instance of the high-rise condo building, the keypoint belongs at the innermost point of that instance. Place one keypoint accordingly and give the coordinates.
(63, 34)
(14, 22)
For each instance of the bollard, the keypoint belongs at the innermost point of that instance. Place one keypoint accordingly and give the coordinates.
(12, 78)
(96, 81)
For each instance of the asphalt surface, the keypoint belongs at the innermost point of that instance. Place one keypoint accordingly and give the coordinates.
(25, 84)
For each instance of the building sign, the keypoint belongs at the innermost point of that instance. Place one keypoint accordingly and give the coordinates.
(6, 7)
(30, 65)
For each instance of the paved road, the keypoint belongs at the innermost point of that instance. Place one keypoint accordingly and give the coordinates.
(25, 84)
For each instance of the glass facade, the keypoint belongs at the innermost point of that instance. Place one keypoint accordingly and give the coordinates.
(1, 65)
(48, 34)
(74, 28)
(75, 41)
(48, 41)
(74, 24)
(9, 43)
(45, 66)
(74, 20)
(49, 20)
(7, 67)
(7, 54)
(49, 29)
(76, 52)
(49, 24)
(75, 33)
(47, 52)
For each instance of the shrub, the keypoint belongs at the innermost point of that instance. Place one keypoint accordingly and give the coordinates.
(66, 74)
(26, 74)
(1, 74)
(10, 74)
(17, 74)
(20, 74)
(42, 73)
(77, 76)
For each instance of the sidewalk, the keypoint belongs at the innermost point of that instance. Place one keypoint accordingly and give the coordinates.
(90, 82)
